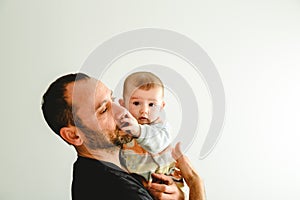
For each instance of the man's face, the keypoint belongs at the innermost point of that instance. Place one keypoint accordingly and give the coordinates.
(93, 116)
(145, 105)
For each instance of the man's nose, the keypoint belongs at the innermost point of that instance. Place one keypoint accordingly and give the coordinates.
(118, 111)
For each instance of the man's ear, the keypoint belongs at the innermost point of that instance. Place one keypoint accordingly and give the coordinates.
(70, 134)
(121, 102)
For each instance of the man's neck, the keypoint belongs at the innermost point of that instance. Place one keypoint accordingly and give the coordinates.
(108, 155)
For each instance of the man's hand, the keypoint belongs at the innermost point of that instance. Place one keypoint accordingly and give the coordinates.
(164, 188)
(187, 171)
(190, 175)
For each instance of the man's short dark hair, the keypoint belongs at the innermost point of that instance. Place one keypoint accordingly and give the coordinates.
(56, 110)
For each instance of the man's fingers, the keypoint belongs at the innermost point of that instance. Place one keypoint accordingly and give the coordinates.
(162, 188)
(161, 178)
(177, 174)
(160, 195)
(165, 188)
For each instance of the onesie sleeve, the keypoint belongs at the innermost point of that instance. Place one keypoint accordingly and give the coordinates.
(155, 138)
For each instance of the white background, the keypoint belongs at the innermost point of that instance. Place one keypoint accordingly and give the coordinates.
(255, 46)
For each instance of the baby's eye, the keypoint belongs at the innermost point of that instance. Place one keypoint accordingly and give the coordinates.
(136, 103)
(151, 104)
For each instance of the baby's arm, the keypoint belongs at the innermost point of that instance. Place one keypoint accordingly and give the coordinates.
(155, 137)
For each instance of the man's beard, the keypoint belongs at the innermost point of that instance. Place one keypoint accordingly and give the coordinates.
(96, 139)
(121, 139)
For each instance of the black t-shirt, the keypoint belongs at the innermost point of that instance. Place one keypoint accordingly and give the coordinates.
(93, 179)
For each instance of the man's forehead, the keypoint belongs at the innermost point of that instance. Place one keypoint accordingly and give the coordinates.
(86, 88)
(90, 85)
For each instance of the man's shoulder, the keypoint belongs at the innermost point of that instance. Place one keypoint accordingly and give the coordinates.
(93, 178)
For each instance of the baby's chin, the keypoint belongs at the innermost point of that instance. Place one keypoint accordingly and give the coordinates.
(143, 120)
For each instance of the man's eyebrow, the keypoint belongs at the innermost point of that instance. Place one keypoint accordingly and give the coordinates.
(97, 106)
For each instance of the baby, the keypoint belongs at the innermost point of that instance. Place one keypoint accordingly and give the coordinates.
(150, 150)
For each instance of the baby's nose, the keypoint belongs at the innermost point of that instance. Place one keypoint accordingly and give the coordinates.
(144, 109)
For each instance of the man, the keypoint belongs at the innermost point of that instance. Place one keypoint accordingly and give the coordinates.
(80, 110)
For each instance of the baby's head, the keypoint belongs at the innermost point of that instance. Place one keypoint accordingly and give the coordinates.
(143, 96)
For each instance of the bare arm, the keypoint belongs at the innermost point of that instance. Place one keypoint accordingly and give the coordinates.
(190, 175)
(164, 188)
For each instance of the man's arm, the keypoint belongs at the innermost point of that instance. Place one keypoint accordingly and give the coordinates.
(167, 189)
(190, 175)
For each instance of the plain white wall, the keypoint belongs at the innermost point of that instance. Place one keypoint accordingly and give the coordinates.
(255, 46)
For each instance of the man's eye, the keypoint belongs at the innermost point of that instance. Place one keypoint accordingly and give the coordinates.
(103, 111)
(136, 103)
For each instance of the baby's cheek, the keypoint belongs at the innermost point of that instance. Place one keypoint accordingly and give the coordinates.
(154, 113)
(133, 111)
(135, 115)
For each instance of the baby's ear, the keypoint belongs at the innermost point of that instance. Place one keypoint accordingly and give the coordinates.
(163, 104)
(121, 102)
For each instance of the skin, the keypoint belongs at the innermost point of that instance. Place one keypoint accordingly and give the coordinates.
(141, 104)
(190, 175)
(186, 171)
(166, 190)
(92, 100)
(96, 135)
(144, 105)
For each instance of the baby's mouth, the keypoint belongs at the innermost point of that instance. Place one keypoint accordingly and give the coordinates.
(143, 118)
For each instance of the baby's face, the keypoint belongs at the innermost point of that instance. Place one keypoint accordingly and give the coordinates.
(145, 105)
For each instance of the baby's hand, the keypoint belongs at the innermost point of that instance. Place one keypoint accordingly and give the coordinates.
(130, 125)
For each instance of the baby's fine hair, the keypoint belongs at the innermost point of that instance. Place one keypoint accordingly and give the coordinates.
(141, 80)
